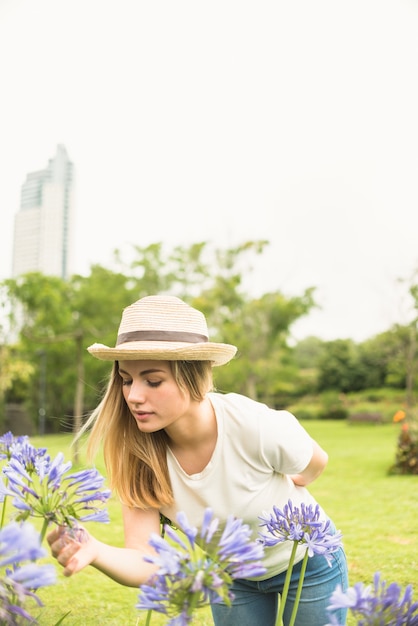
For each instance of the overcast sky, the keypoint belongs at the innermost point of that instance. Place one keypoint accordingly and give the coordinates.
(293, 121)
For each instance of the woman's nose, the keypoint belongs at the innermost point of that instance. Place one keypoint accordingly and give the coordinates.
(136, 392)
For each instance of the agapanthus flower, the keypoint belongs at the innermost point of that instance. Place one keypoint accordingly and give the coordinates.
(19, 574)
(37, 486)
(198, 568)
(33, 459)
(10, 445)
(301, 526)
(19, 542)
(377, 604)
(44, 488)
(21, 450)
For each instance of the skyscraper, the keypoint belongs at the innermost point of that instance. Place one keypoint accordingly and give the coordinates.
(43, 232)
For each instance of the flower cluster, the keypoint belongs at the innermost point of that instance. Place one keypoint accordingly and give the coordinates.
(38, 487)
(301, 526)
(19, 549)
(199, 568)
(378, 604)
(41, 487)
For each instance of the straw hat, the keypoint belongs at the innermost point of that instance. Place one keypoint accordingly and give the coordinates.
(163, 328)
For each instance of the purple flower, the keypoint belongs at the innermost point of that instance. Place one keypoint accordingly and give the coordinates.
(4, 490)
(43, 488)
(302, 525)
(48, 491)
(200, 567)
(56, 470)
(377, 604)
(34, 576)
(99, 516)
(236, 548)
(33, 459)
(20, 543)
(10, 445)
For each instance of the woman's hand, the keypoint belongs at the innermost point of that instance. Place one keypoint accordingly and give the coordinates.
(73, 549)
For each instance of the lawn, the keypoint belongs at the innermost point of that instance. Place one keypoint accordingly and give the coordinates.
(377, 514)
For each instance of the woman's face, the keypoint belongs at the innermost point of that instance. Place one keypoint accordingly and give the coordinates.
(152, 395)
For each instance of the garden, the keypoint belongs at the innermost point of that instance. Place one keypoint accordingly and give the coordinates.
(376, 511)
(355, 399)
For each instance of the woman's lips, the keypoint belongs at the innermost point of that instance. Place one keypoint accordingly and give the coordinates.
(141, 415)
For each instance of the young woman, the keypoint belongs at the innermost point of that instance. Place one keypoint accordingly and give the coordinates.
(172, 444)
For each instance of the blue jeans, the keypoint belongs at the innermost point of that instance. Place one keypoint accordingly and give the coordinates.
(256, 602)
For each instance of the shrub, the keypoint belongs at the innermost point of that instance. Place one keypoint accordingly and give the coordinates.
(406, 459)
(333, 406)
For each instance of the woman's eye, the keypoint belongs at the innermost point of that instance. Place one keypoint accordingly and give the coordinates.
(154, 383)
(125, 382)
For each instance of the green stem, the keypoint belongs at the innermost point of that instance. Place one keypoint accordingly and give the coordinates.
(3, 513)
(299, 589)
(279, 621)
(148, 620)
(44, 529)
(283, 598)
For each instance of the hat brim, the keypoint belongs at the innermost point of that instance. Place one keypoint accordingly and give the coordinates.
(217, 353)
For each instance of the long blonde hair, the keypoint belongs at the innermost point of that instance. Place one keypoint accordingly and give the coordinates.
(136, 462)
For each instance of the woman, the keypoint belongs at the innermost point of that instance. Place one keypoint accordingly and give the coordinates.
(171, 444)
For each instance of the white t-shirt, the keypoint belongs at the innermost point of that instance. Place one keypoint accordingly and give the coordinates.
(256, 448)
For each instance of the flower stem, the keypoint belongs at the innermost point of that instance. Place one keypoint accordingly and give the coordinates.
(148, 620)
(279, 621)
(3, 513)
(44, 529)
(299, 589)
(286, 585)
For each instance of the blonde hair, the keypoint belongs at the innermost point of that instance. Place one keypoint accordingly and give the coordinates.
(136, 462)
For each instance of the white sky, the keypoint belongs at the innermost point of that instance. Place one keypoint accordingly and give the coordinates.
(226, 121)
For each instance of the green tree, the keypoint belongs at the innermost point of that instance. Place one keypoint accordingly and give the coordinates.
(339, 366)
(39, 313)
(384, 358)
(259, 327)
(306, 355)
(55, 320)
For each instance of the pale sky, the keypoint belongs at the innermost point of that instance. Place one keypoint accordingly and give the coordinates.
(225, 121)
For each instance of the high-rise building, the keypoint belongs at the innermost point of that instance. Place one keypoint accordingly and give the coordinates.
(43, 234)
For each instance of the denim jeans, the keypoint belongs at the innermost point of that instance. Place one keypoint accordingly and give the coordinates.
(256, 602)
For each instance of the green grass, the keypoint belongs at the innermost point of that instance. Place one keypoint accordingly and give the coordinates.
(377, 514)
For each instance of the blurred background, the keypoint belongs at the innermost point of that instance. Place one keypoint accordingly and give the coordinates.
(225, 122)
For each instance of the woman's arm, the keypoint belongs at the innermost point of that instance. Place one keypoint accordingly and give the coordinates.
(315, 467)
(124, 565)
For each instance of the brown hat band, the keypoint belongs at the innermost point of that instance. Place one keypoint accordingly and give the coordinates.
(160, 335)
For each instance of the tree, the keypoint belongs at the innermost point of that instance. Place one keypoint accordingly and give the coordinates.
(259, 327)
(57, 320)
(39, 313)
(306, 355)
(339, 366)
